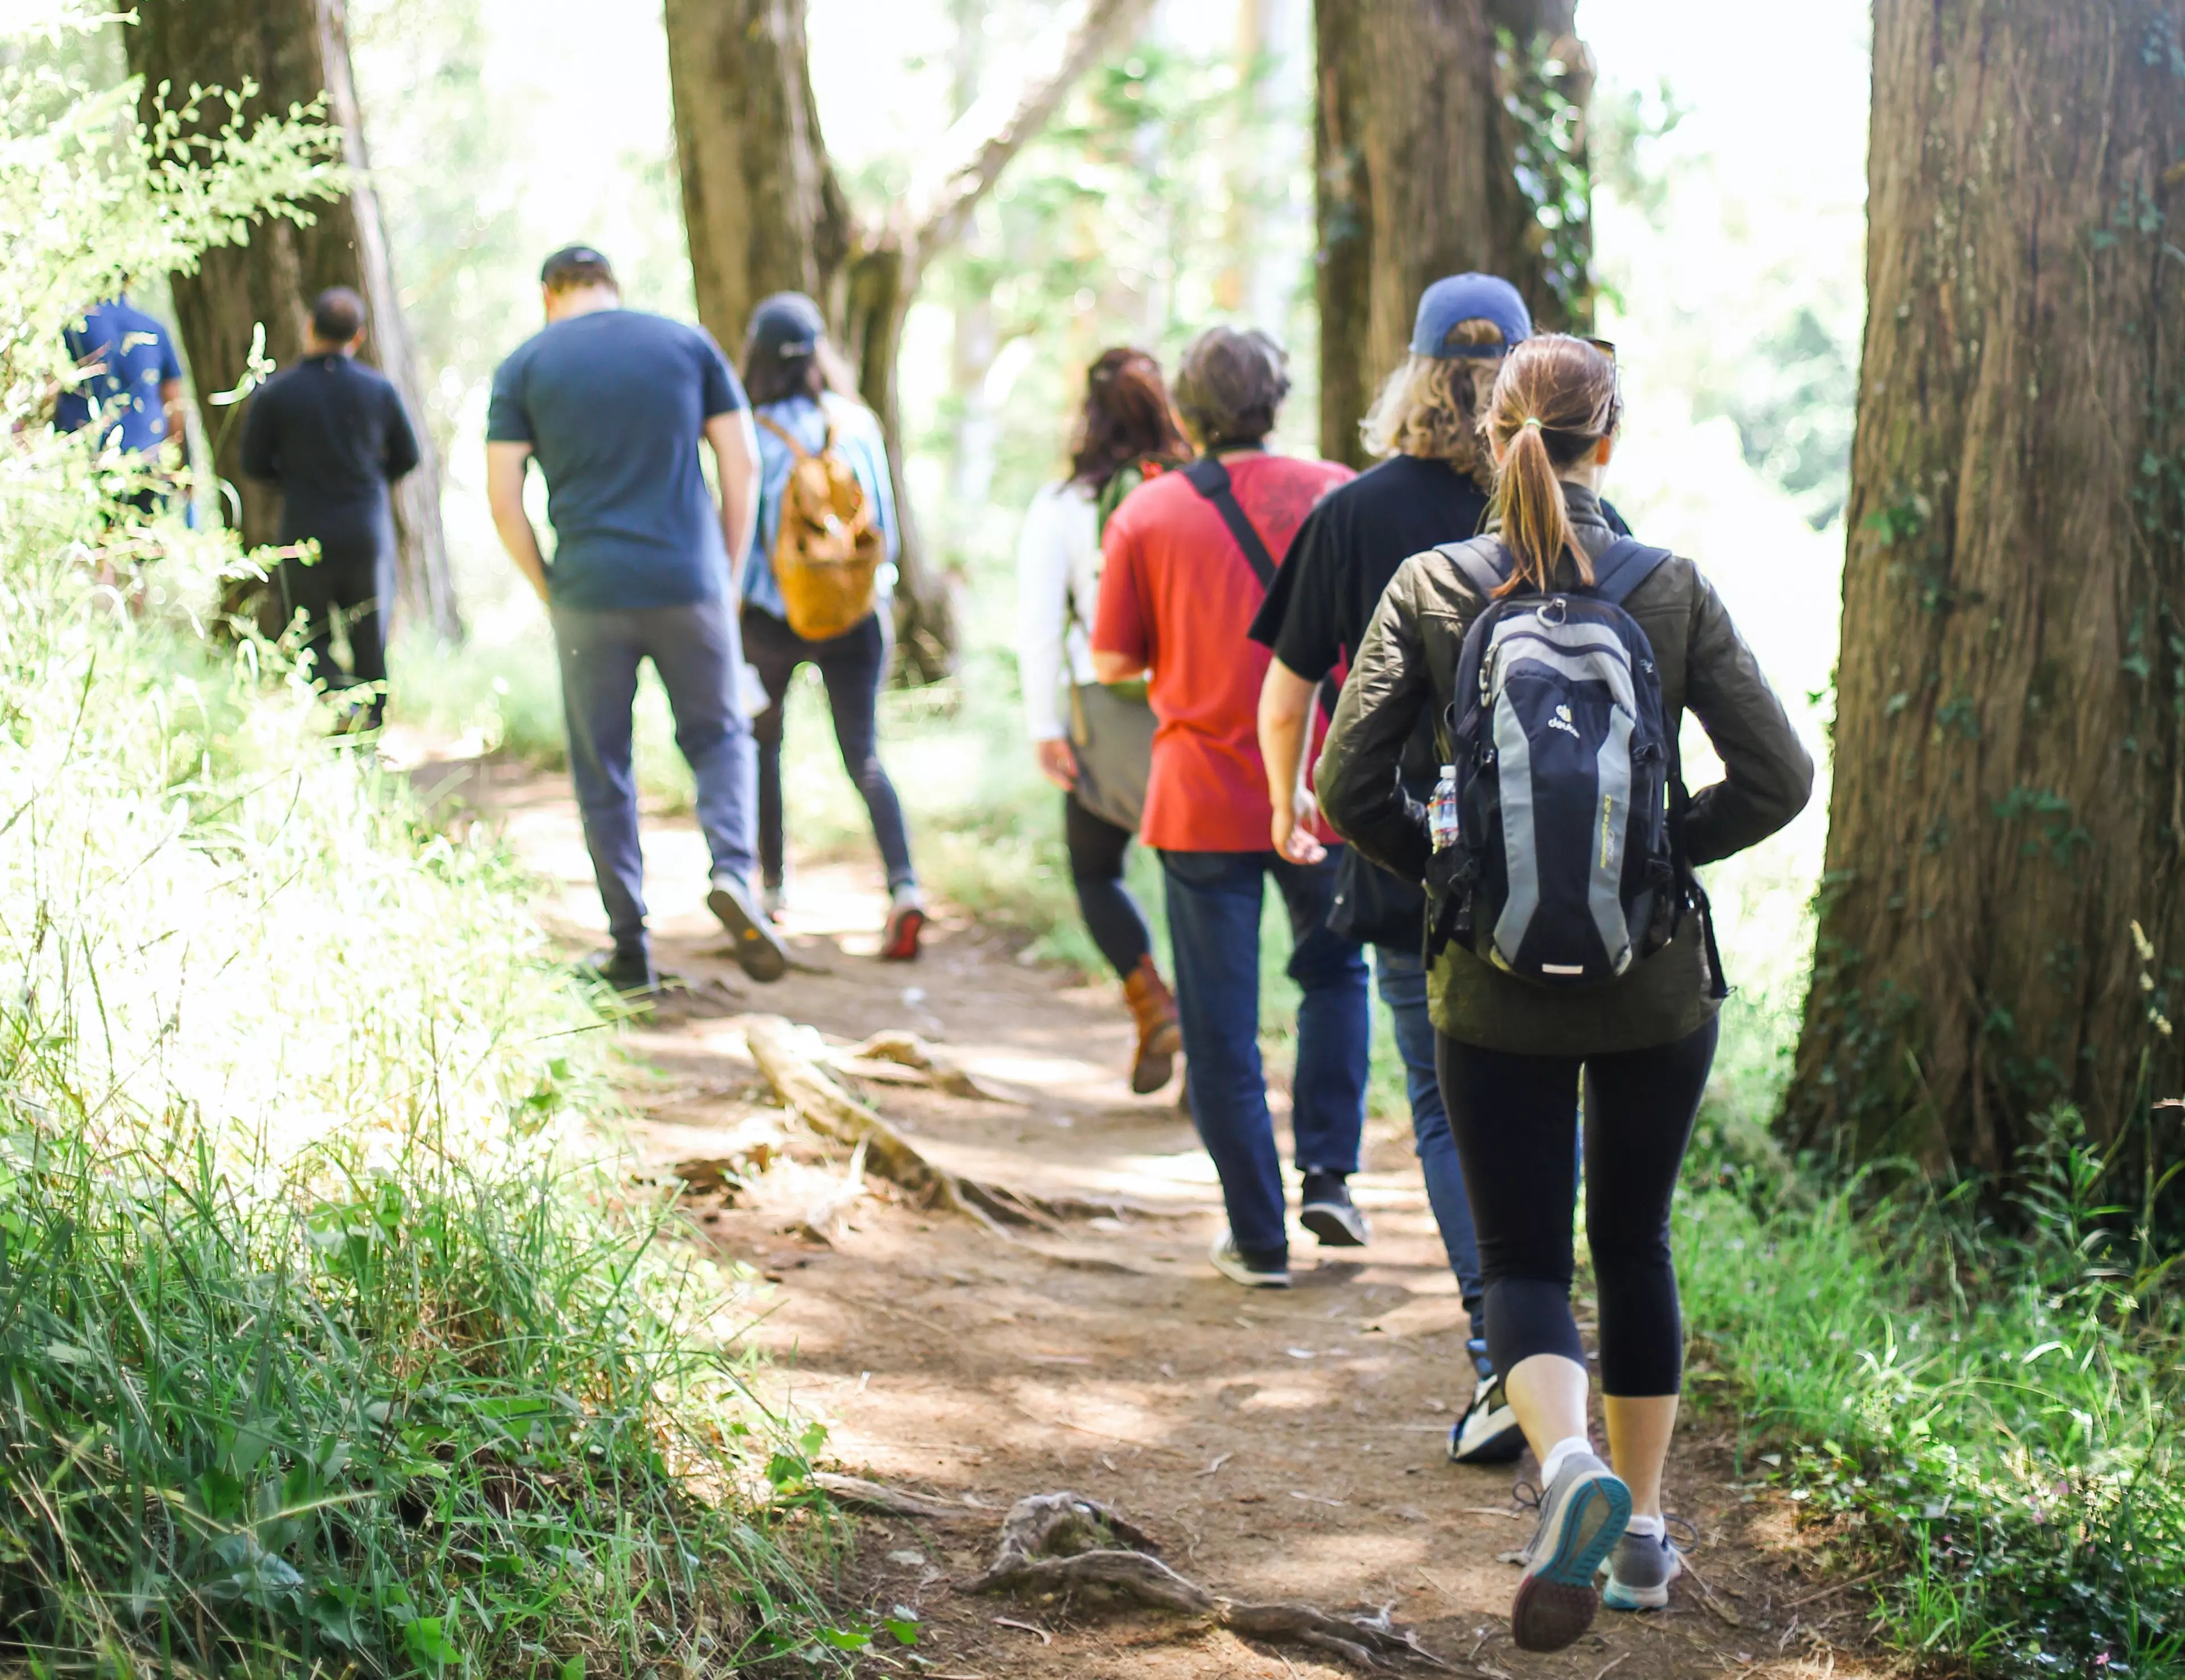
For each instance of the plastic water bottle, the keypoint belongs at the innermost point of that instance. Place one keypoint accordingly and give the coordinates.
(1441, 814)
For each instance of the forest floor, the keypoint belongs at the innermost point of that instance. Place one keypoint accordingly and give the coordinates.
(1278, 1446)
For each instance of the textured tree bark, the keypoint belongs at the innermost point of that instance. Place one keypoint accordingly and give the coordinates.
(2009, 793)
(765, 213)
(296, 52)
(1451, 136)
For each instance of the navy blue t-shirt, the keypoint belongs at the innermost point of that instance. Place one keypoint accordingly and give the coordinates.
(127, 356)
(614, 404)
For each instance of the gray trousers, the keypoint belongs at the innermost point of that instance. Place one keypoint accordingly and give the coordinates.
(697, 651)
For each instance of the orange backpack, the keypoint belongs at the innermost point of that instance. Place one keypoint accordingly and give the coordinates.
(828, 545)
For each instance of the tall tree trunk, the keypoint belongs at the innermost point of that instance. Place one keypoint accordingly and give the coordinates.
(1451, 136)
(296, 52)
(2010, 792)
(765, 212)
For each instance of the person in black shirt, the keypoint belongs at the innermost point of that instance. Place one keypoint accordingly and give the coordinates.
(1431, 487)
(333, 435)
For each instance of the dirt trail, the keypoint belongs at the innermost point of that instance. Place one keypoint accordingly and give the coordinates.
(1279, 1446)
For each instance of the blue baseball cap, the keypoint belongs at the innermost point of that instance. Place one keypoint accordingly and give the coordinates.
(1469, 297)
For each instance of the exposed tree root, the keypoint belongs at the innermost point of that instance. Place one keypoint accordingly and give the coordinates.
(1062, 1542)
(854, 1492)
(805, 1085)
(941, 1071)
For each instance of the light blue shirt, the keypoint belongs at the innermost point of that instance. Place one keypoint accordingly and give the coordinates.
(857, 440)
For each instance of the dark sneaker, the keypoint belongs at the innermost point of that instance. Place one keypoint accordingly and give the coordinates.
(1234, 1264)
(1639, 1571)
(1487, 1432)
(1582, 1518)
(759, 951)
(629, 972)
(1331, 1215)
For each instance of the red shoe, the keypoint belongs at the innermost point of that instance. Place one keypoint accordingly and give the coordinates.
(905, 922)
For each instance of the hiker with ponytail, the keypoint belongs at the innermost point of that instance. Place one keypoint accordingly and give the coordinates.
(1568, 936)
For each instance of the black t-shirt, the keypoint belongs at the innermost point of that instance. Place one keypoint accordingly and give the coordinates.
(331, 432)
(1349, 548)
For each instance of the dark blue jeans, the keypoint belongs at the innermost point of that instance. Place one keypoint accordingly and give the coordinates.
(1402, 977)
(696, 651)
(1214, 900)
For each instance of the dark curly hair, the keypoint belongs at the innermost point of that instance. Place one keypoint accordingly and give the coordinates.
(1128, 417)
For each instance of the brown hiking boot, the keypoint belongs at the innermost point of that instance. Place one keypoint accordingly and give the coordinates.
(1152, 1006)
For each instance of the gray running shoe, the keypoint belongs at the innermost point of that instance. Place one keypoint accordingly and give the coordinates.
(1639, 1571)
(1582, 1514)
(758, 949)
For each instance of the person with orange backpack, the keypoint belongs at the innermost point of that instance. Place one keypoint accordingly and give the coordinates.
(816, 586)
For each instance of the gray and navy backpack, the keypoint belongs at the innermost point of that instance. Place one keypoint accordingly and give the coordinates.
(1564, 873)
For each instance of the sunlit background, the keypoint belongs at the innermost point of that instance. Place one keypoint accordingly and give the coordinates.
(1173, 190)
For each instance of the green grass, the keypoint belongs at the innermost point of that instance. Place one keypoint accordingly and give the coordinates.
(1979, 1396)
(328, 1340)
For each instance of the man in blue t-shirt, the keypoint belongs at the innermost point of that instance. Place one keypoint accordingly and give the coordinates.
(613, 402)
(129, 380)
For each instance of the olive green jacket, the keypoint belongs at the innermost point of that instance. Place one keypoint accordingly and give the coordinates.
(1409, 663)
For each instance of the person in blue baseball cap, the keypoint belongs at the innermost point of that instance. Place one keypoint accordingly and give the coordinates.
(1431, 486)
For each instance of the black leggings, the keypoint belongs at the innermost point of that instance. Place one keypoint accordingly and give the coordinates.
(1512, 1117)
(1097, 849)
(852, 665)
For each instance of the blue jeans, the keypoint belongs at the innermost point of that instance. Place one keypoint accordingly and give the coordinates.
(1213, 901)
(696, 651)
(1402, 976)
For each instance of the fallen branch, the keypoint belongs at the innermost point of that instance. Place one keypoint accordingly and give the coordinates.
(1062, 1542)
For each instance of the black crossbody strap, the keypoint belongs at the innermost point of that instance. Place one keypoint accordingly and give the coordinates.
(1211, 480)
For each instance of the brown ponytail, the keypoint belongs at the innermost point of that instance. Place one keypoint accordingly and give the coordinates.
(1554, 401)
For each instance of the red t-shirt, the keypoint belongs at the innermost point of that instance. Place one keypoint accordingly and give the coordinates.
(1176, 592)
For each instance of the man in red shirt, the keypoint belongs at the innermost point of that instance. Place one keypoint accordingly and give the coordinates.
(1187, 558)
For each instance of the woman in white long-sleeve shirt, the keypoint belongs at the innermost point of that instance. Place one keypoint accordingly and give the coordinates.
(1093, 742)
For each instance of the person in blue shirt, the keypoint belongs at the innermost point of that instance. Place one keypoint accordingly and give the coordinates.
(129, 380)
(612, 405)
(798, 386)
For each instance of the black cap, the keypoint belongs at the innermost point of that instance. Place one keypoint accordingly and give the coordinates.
(576, 266)
(787, 325)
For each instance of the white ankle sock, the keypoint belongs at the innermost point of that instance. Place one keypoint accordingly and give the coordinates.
(1552, 1466)
(1646, 1527)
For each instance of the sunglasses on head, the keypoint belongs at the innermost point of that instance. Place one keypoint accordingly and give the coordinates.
(1606, 346)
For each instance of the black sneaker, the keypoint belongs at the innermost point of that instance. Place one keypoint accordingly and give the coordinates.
(629, 972)
(1330, 1214)
(1487, 1432)
(759, 951)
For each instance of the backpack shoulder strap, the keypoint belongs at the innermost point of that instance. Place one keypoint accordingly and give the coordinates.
(1622, 567)
(1484, 575)
(795, 449)
(1211, 480)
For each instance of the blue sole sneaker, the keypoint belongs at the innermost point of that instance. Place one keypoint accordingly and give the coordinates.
(1583, 1516)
